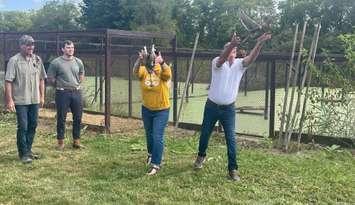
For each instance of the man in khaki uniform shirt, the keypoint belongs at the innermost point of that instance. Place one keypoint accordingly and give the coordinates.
(24, 91)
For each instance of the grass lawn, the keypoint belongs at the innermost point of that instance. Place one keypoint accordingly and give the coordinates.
(111, 170)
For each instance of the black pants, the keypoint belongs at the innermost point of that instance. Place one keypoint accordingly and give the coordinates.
(65, 99)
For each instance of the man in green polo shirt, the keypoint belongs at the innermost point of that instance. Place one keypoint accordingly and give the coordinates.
(24, 91)
(66, 73)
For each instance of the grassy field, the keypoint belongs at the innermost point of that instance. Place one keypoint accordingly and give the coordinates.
(111, 170)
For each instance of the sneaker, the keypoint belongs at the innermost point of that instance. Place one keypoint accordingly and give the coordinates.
(26, 160)
(233, 175)
(34, 156)
(153, 170)
(199, 162)
(149, 159)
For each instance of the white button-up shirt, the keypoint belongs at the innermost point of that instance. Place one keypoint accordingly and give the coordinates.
(225, 81)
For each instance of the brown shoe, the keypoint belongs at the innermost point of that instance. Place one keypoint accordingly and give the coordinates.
(233, 175)
(77, 145)
(60, 145)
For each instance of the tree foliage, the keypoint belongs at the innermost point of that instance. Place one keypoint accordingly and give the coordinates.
(15, 21)
(115, 14)
(56, 16)
(149, 15)
(336, 17)
(214, 20)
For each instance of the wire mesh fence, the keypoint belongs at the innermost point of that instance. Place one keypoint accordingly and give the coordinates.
(109, 55)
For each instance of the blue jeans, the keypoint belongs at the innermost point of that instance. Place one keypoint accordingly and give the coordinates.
(65, 99)
(154, 124)
(226, 115)
(27, 116)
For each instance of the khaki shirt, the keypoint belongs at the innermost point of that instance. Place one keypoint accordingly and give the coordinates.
(25, 76)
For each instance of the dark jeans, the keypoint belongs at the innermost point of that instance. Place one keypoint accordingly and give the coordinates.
(154, 125)
(226, 115)
(27, 116)
(65, 99)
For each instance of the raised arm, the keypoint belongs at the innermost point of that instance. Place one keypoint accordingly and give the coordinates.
(256, 50)
(165, 69)
(235, 41)
(139, 64)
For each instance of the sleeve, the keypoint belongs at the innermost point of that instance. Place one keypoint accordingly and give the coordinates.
(241, 66)
(214, 63)
(165, 72)
(52, 70)
(43, 74)
(10, 70)
(81, 67)
(142, 72)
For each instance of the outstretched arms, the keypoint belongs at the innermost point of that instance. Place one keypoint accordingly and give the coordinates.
(256, 50)
(235, 41)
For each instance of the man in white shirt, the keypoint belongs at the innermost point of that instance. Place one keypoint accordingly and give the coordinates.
(227, 72)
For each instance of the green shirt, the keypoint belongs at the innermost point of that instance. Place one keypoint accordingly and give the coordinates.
(25, 76)
(66, 72)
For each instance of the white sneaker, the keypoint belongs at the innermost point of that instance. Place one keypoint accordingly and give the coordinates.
(153, 170)
(199, 162)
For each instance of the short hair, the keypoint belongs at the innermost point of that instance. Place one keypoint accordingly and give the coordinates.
(226, 46)
(26, 39)
(67, 42)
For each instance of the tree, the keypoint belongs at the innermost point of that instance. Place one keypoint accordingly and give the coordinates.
(336, 17)
(15, 21)
(148, 15)
(152, 15)
(215, 20)
(115, 14)
(57, 16)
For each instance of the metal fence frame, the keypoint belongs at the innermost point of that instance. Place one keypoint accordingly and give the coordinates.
(107, 34)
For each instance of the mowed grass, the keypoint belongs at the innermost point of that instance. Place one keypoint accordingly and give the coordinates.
(111, 170)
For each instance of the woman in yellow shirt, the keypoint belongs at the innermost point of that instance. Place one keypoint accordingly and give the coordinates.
(154, 74)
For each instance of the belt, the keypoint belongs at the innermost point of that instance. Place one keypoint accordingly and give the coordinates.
(217, 105)
(69, 89)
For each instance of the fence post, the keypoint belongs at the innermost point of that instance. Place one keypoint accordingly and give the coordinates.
(129, 84)
(272, 100)
(267, 90)
(175, 79)
(108, 82)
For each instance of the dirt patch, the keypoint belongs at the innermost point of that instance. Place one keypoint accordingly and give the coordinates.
(118, 124)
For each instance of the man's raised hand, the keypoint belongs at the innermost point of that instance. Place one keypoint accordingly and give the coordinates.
(235, 41)
(264, 37)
